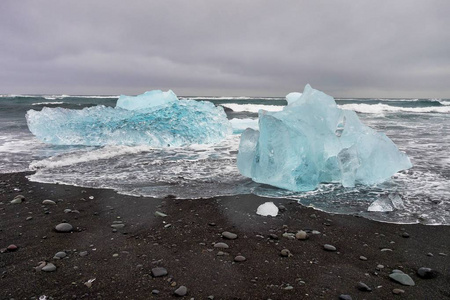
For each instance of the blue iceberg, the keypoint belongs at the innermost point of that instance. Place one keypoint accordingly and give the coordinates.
(155, 118)
(313, 141)
(151, 99)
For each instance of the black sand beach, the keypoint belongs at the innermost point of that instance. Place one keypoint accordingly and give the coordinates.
(183, 243)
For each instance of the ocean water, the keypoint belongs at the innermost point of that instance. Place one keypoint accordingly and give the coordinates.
(419, 127)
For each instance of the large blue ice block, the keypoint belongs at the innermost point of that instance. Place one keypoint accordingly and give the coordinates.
(312, 141)
(153, 121)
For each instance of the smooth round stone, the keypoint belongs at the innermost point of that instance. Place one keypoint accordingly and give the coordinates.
(48, 202)
(181, 291)
(67, 210)
(83, 253)
(398, 291)
(345, 297)
(16, 201)
(221, 245)
(64, 227)
(155, 292)
(426, 273)
(49, 268)
(273, 236)
(301, 235)
(239, 258)
(329, 247)
(29, 218)
(159, 272)
(363, 287)
(402, 278)
(61, 254)
(118, 226)
(405, 235)
(362, 258)
(12, 248)
(160, 214)
(21, 197)
(229, 235)
(379, 267)
(285, 253)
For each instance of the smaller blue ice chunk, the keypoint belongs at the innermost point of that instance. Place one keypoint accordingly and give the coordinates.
(312, 141)
(150, 99)
(155, 119)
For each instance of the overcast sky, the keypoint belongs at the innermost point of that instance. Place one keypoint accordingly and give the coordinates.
(255, 48)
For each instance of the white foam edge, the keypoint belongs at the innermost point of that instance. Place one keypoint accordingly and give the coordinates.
(252, 107)
(382, 108)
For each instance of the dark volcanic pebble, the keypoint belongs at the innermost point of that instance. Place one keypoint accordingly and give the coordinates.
(155, 292)
(426, 273)
(181, 291)
(49, 268)
(64, 227)
(239, 258)
(398, 291)
(405, 235)
(301, 235)
(221, 245)
(273, 236)
(60, 254)
(402, 278)
(12, 248)
(159, 272)
(329, 247)
(83, 253)
(285, 253)
(229, 235)
(345, 297)
(363, 287)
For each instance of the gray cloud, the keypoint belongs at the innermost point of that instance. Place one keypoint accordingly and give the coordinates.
(346, 48)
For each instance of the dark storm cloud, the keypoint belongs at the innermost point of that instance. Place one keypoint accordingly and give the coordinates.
(347, 48)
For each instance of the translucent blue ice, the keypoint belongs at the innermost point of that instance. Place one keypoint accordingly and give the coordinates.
(312, 141)
(151, 99)
(148, 120)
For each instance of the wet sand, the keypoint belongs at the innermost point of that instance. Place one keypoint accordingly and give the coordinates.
(121, 261)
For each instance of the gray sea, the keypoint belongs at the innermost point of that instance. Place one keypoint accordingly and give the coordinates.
(419, 127)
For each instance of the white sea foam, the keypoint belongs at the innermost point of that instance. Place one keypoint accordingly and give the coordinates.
(95, 97)
(384, 108)
(86, 156)
(252, 107)
(232, 98)
(48, 103)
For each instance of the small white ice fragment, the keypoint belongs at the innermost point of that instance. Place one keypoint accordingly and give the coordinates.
(267, 209)
(382, 204)
(397, 201)
(388, 202)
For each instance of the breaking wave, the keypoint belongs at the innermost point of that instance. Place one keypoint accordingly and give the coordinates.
(384, 108)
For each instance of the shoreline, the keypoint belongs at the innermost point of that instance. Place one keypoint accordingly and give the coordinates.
(122, 261)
